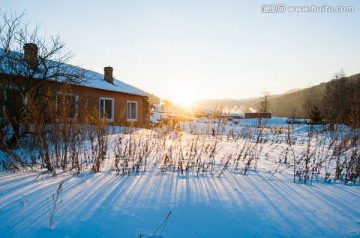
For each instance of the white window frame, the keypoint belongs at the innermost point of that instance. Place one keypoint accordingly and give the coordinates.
(76, 109)
(112, 109)
(129, 113)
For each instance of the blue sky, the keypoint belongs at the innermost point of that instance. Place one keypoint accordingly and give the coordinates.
(203, 49)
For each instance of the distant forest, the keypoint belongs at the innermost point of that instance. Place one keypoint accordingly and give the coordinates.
(297, 103)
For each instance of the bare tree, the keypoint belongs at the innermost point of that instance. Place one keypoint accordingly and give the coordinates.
(355, 102)
(29, 65)
(337, 103)
(311, 100)
(264, 103)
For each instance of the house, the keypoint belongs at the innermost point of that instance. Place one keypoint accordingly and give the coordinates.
(249, 115)
(115, 101)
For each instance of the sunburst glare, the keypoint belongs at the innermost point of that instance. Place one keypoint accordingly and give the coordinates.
(184, 98)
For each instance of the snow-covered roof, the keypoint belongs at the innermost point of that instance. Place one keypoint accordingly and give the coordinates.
(92, 79)
(96, 80)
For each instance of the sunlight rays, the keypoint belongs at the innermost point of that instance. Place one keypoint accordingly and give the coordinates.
(184, 98)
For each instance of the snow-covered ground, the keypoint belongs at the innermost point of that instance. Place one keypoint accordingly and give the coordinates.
(223, 202)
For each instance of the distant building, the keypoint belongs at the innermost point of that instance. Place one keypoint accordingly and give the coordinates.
(234, 115)
(249, 115)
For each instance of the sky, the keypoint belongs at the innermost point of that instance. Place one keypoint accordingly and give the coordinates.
(200, 49)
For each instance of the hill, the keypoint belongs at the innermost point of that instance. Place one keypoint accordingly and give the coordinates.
(289, 104)
(153, 99)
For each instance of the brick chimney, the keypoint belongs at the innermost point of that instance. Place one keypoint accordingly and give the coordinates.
(31, 53)
(108, 74)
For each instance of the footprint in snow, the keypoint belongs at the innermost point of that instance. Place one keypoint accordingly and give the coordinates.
(23, 203)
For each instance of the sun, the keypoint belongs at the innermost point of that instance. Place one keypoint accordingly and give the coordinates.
(185, 98)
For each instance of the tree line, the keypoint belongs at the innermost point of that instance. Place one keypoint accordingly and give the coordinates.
(339, 104)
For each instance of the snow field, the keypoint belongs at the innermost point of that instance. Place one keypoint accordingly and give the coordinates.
(234, 205)
(207, 199)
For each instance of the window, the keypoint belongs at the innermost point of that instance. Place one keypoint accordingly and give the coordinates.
(106, 109)
(12, 102)
(132, 111)
(2, 102)
(67, 105)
